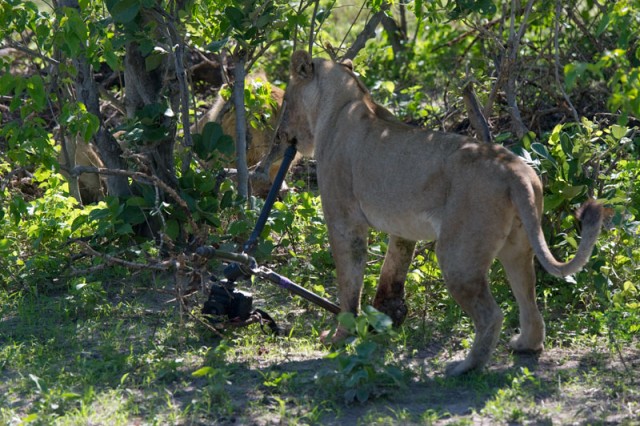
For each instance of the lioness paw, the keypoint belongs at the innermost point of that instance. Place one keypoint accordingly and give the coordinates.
(458, 368)
(395, 308)
(521, 345)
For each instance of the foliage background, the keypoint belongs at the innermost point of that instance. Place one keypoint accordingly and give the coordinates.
(557, 82)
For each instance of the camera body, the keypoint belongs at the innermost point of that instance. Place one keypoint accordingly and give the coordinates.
(226, 300)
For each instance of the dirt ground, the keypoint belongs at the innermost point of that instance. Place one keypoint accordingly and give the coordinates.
(567, 386)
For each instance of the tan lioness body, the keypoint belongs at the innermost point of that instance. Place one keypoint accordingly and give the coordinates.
(261, 153)
(479, 201)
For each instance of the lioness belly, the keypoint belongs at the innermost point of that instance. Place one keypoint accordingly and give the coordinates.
(413, 226)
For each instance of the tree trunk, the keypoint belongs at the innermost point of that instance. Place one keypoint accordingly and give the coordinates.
(241, 127)
(108, 148)
(145, 88)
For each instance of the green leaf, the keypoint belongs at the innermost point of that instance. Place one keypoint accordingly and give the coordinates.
(618, 131)
(154, 60)
(7, 83)
(203, 372)
(136, 202)
(235, 16)
(226, 145)
(216, 46)
(71, 395)
(125, 11)
(172, 229)
(349, 395)
(263, 21)
(366, 349)
(572, 72)
(35, 89)
(356, 378)
(347, 320)
(29, 419)
(124, 229)
(90, 127)
(78, 222)
(604, 23)
(569, 192)
(542, 151)
(552, 201)
(362, 395)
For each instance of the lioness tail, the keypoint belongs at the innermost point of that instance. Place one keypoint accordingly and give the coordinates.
(591, 216)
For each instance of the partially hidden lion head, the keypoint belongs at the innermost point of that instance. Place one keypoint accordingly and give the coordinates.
(315, 82)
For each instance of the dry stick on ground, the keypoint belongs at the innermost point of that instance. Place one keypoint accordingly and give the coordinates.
(185, 309)
(175, 264)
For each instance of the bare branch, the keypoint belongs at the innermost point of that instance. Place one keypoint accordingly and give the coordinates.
(313, 24)
(368, 32)
(160, 266)
(477, 120)
(28, 51)
(508, 70)
(178, 51)
(560, 84)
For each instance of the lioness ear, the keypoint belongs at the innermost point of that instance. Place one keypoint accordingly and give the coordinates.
(347, 63)
(301, 65)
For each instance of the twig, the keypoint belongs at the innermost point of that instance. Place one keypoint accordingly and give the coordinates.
(177, 45)
(508, 70)
(313, 24)
(29, 52)
(560, 84)
(483, 29)
(509, 55)
(160, 266)
(142, 177)
(185, 309)
(478, 121)
(367, 32)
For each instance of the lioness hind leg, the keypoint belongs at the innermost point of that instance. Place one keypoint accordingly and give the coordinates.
(517, 259)
(390, 294)
(466, 280)
(476, 300)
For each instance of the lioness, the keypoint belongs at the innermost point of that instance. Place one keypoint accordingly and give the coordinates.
(260, 153)
(479, 201)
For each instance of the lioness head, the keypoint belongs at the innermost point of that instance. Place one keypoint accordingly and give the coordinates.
(315, 82)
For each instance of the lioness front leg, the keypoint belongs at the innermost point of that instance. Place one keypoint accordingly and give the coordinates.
(390, 294)
(349, 249)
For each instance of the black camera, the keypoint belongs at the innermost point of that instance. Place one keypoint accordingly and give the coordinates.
(226, 300)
